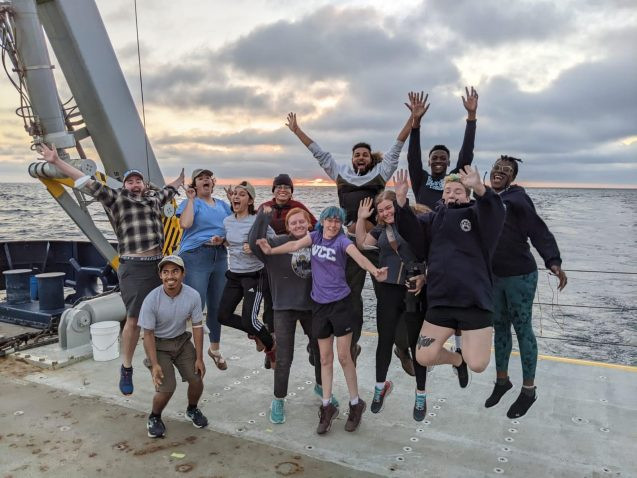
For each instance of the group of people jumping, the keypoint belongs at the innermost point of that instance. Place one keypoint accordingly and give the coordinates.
(455, 263)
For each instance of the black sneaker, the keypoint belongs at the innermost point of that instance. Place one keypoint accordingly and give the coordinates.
(379, 396)
(420, 407)
(155, 427)
(197, 418)
(498, 393)
(326, 416)
(405, 360)
(355, 414)
(522, 405)
(462, 372)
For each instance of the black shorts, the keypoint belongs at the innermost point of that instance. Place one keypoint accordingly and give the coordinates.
(136, 279)
(463, 318)
(334, 318)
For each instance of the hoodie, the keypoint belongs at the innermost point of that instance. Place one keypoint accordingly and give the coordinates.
(513, 254)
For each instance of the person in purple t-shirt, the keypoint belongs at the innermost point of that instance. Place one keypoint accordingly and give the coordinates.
(332, 311)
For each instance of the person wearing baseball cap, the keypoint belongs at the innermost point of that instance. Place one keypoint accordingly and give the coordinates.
(202, 248)
(164, 316)
(135, 211)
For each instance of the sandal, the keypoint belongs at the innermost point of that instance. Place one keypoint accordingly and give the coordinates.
(218, 359)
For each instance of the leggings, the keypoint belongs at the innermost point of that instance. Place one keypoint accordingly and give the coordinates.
(390, 308)
(249, 287)
(285, 326)
(513, 305)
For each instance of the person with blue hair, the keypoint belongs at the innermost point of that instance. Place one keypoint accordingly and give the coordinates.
(332, 314)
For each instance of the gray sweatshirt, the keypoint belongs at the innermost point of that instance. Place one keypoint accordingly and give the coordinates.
(290, 275)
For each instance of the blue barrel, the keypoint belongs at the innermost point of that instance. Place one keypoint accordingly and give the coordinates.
(51, 290)
(33, 287)
(17, 282)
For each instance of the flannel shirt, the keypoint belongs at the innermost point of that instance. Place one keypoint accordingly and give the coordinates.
(137, 221)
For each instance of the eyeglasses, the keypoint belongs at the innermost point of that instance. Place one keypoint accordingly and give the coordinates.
(502, 168)
(283, 187)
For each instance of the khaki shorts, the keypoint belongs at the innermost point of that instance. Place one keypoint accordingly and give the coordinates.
(176, 352)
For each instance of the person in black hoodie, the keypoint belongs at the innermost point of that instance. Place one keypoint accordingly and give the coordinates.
(428, 185)
(515, 282)
(457, 241)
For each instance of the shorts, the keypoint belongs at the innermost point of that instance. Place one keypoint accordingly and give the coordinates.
(463, 318)
(176, 352)
(136, 279)
(334, 318)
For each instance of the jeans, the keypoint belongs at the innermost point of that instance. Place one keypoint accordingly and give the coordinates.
(206, 273)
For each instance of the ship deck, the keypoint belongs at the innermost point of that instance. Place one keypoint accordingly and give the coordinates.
(581, 425)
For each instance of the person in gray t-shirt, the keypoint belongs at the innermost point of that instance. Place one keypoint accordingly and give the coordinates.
(163, 317)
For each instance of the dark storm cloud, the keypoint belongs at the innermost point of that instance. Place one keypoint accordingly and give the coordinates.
(492, 22)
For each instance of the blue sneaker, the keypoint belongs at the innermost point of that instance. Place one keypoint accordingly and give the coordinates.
(420, 407)
(277, 411)
(318, 390)
(379, 396)
(126, 380)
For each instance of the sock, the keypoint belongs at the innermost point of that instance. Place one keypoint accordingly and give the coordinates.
(154, 415)
(458, 340)
(502, 381)
(530, 391)
(380, 385)
(279, 399)
(191, 407)
(127, 368)
(325, 402)
(354, 401)
(418, 392)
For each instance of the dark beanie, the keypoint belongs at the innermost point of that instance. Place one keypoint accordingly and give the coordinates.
(282, 179)
(441, 147)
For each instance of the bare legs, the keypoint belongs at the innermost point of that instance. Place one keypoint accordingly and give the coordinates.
(326, 348)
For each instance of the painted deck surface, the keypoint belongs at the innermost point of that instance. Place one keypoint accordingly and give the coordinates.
(582, 424)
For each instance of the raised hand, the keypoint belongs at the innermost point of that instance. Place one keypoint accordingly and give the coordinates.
(266, 209)
(365, 208)
(418, 106)
(470, 103)
(292, 124)
(50, 155)
(229, 192)
(470, 177)
(401, 185)
(265, 246)
(191, 193)
(179, 181)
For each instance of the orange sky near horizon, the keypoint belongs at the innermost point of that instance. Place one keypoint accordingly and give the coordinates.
(325, 182)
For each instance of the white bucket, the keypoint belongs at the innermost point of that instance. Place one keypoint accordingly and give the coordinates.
(105, 340)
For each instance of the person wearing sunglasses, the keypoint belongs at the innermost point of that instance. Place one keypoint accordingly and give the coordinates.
(515, 281)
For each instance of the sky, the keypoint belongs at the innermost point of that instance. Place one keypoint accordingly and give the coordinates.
(556, 82)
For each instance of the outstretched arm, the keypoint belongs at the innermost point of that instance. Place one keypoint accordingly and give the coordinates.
(401, 186)
(286, 248)
(294, 127)
(379, 274)
(50, 155)
(390, 159)
(465, 156)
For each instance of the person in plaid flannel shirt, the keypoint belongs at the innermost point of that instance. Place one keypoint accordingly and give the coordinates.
(135, 212)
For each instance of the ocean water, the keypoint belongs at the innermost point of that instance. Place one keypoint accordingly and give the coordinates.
(593, 318)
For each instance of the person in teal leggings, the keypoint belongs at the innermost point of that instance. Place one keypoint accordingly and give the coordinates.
(515, 281)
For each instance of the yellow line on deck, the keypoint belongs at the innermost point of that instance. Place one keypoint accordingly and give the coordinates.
(552, 358)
